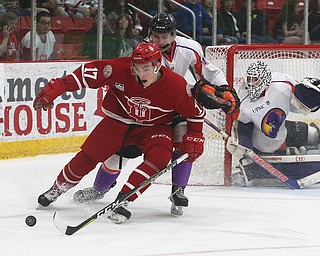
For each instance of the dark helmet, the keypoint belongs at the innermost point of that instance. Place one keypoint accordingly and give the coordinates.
(163, 23)
(145, 53)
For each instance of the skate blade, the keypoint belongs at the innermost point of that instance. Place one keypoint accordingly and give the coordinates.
(79, 201)
(40, 207)
(176, 210)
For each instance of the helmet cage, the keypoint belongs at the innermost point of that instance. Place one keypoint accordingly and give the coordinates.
(258, 78)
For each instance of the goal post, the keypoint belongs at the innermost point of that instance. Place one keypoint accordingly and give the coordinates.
(298, 61)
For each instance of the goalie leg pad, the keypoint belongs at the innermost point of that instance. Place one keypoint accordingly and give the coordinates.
(297, 133)
(313, 134)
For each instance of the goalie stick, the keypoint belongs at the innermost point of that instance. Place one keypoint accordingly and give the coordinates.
(292, 183)
(69, 230)
(292, 158)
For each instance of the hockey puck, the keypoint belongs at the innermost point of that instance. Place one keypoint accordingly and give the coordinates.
(31, 221)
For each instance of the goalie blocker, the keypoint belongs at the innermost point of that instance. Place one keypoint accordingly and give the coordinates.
(215, 97)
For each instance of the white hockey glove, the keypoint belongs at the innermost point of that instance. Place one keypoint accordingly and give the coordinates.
(236, 149)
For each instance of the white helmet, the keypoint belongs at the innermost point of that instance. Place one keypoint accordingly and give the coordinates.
(258, 78)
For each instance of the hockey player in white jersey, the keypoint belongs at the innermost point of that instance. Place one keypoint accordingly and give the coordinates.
(261, 121)
(185, 57)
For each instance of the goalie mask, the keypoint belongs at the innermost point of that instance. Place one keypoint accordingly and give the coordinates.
(258, 78)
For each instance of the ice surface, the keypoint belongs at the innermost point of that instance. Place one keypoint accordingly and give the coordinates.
(219, 221)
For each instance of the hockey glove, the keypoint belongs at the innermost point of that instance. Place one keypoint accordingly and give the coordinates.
(236, 149)
(48, 94)
(214, 97)
(308, 93)
(193, 145)
(229, 94)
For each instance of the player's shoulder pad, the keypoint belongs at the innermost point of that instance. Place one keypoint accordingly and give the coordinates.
(190, 44)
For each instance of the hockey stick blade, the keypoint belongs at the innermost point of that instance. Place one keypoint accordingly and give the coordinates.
(293, 184)
(309, 180)
(69, 230)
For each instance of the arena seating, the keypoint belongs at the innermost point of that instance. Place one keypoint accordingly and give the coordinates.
(85, 22)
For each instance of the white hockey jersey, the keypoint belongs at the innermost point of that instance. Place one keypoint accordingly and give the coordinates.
(187, 53)
(269, 112)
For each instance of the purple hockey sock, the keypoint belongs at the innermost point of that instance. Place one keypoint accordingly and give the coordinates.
(181, 173)
(104, 179)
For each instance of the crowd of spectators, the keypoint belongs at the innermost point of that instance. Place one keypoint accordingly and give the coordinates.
(123, 27)
(288, 29)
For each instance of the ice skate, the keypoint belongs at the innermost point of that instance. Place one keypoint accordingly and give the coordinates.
(49, 196)
(178, 200)
(239, 177)
(87, 195)
(120, 214)
(238, 180)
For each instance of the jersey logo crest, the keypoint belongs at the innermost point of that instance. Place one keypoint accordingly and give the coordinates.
(142, 111)
(107, 71)
(272, 122)
(139, 108)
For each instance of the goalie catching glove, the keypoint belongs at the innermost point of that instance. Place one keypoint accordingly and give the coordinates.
(214, 97)
(308, 93)
(192, 144)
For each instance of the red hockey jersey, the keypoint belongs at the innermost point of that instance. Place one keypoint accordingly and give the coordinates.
(127, 101)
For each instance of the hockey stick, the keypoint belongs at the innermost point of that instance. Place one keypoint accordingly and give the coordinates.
(294, 184)
(69, 230)
(261, 162)
(292, 158)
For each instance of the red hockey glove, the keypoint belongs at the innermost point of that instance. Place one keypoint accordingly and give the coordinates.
(48, 94)
(193, 145)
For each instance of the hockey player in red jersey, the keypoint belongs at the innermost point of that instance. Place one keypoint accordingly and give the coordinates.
(141, 100)
(180, 55)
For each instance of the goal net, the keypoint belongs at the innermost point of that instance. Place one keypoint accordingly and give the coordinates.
(215, 166)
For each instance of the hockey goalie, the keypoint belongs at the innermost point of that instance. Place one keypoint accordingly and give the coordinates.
(261, 124)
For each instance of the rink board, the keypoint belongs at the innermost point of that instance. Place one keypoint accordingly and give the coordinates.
(26, 132)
